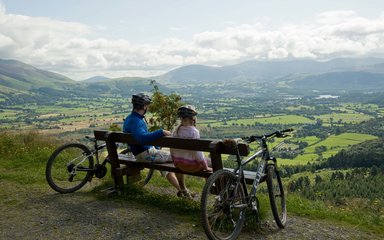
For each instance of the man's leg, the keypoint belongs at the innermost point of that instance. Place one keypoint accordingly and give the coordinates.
(159, 156)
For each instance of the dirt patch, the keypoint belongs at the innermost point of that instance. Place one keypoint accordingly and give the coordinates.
(32, 213)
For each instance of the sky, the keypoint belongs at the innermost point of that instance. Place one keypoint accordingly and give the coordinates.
(120, 38)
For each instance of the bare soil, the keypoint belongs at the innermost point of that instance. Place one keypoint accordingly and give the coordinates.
(35, 213)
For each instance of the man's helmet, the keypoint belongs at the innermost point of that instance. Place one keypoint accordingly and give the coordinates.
(141, 99)
(186, 111)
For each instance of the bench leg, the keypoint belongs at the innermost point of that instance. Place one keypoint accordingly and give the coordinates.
(119, 180)
(133, 174)
(119, 183)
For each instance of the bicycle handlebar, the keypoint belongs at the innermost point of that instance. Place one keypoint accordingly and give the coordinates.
(279, 133)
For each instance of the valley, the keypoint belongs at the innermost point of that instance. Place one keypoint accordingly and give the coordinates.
(338, 132)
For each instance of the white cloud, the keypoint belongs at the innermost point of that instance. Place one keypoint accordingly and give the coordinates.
(80, 51)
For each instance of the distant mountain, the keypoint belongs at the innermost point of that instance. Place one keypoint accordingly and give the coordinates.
(95, 79)
(337, 74)
(198, 74)
(266, 71)
(18, 76)
(123, 86)
(375, 68)
(21, 78)
(340, 81)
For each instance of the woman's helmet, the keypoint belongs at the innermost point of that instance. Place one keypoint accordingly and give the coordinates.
(186, 111)
(141, 99)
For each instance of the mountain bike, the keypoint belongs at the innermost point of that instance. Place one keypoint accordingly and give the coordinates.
(72, 165)
(225, 196)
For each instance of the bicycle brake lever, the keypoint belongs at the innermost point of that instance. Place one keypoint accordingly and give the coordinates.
(281, 135)
(247, 139)
(284, 135)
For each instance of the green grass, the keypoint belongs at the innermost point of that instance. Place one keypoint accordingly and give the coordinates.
(310, 140)
(362, 218)
(344, 117)
(284, 119)
(333, 144)
(9, 114)
(23, 157)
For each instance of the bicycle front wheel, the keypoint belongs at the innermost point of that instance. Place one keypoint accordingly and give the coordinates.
(276, 196)
(69, 168)
(223, 206)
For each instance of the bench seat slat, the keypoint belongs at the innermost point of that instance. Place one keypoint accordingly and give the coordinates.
(163, 167)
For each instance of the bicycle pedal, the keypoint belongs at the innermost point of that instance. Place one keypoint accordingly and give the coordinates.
(263, 178)
(70, 179)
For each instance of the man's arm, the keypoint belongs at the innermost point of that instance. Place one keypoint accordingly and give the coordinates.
(143, 137)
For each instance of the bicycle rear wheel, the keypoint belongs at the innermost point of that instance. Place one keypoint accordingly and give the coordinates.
(146, 176)
(276, 196)
(223, 206)
(69, 168)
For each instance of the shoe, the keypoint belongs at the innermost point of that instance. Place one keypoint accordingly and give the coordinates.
(186, 194)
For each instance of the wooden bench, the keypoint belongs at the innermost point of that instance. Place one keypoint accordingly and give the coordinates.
(132, 168)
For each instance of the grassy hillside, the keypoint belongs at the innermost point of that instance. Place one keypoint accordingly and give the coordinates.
(21, 82)
(23, 157)
(20, 76)
(331, 145)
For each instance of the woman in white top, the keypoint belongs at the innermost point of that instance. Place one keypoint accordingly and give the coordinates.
(188, 160)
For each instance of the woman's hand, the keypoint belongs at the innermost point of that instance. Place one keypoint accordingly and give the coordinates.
(167, 133)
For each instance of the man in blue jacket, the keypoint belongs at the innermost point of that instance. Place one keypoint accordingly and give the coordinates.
(136, 125)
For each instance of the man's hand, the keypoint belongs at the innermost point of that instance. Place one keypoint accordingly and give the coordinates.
(167, 133)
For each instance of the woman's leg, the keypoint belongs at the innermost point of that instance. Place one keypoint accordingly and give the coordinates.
(171, 177)
(184, 190)
(180, 179)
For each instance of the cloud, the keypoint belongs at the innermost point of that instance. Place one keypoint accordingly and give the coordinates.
(80, 51)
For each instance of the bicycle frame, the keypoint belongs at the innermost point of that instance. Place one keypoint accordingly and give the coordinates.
(94, 152)
(264, 155)
(76, 167)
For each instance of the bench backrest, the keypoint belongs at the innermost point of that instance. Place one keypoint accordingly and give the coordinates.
(214, 147)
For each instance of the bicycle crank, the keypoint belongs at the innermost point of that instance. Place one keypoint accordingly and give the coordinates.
(100, 171)
(70, 167)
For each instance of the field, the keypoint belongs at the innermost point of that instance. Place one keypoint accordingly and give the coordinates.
(333, 144)
(337, 118)
(283, 119)
(64, 116)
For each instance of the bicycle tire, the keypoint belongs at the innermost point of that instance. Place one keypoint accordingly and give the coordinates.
(60, 164)
(219, 217)
(146, 177)
(276, 196)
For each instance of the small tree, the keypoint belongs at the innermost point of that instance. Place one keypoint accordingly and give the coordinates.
(163, 109)
(114, 127)
(320, 149)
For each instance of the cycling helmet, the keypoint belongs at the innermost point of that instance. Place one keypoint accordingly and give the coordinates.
(186, 111)
(141, 99)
